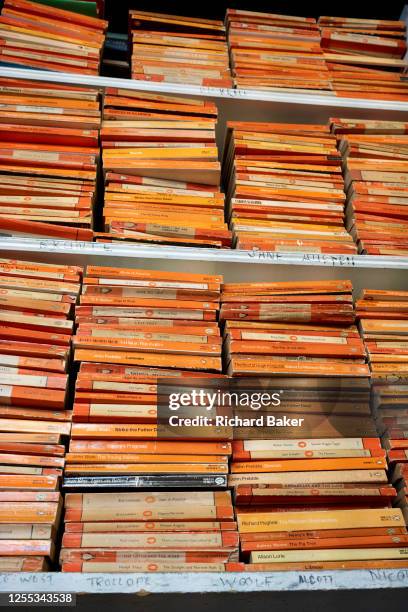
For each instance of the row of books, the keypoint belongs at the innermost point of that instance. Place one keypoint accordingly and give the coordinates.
(172, 531)
(365, 57)
(129, 531)
(319, 189)
(270, 51)
(161, 168)
(375, 171)
(138, 499)
(327, 501)
(319, 503)
(285, 189)
(34, 35)
(383, 320)
(178, 49)
(303, 328)
(336, 56)
(48, 159)
(36, 312)
(134, 327)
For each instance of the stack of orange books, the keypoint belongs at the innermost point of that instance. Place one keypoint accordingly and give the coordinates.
(37, 301)
(154, 532)
(162, 172)
(285, 188)
(134, 327)
(375, 170)
(365, 57)
(179, 49)
(328, 538)
(35, 35)
(383, 317)
(397, 451)
(48, 159)
(276, 52)
(291, 328)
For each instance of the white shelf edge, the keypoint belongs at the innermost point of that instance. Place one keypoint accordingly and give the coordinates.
(208, 92)
(234, 256)
(240, 582)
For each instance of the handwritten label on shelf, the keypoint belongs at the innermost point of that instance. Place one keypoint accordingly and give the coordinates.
(384, 577)
(106, 581)
(74, 245)
(316, 579)
(26, 579)
(224, 92)
(319, 259)
(240, 582)
(142, 584)
(329, 260)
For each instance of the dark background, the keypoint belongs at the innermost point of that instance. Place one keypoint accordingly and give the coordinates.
(117, 10)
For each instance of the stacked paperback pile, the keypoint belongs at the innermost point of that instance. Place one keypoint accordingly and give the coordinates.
(34, 35)
(162, 172)
(285, 188)
(150, 532)
(276, 539)
(276, 52)
(337, 56)
(375, 171)
(135, 326)
(35, 328)
(310, 489)
(48, 159)
(365, 57)
(178, 49)
(320, 502)
(384, 325)
(393, 402)
(291, 328)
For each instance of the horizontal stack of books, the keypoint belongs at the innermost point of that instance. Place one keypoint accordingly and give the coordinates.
(276, 52)
(285, 188)
(37, 301)
(150, 532)
(308, 474)
(383, 318)
(375, 170)
(397, 454)
(179, 49)
(162, 172)
(48, 159)
(359, 538)
(135, 326)
(336, 56)
(34, 35)
(291, 328)
(365, 57)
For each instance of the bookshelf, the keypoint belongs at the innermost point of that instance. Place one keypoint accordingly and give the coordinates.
(375, 272)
